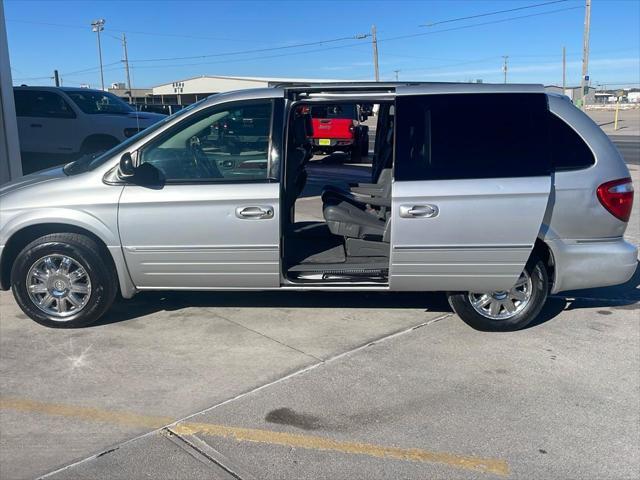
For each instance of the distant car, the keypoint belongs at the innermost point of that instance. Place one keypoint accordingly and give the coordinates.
(58, 124)
(166, 109)
(338, 128)
(245, 127)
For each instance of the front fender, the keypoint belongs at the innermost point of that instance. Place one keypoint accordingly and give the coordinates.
(91, 221)
(101, 222)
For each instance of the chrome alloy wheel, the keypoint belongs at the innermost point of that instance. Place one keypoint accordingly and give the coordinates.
(58, 285)
(504, 305)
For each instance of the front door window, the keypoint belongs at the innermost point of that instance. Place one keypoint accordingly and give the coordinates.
(228, 143)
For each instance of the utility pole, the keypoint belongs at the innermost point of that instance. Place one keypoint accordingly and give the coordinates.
(97, 26)
(56, 78)
(584, 81)
(564, 69)
(505, 67)
(396, 72)
(126, 66)
(374, 43)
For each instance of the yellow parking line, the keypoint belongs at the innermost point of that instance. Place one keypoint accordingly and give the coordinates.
(485, 465)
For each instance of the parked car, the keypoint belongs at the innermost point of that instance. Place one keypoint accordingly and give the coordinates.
(245, 128)
(165, 109)
(526, 196)
(56, 124)
(337, 127)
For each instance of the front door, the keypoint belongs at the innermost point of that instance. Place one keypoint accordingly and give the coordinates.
(471, 186)
(215, 221)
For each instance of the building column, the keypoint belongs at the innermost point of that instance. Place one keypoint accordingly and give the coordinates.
(10, 164)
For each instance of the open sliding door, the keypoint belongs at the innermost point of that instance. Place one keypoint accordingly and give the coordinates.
(472, 184)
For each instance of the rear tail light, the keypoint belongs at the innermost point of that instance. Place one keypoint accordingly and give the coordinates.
(617, 197)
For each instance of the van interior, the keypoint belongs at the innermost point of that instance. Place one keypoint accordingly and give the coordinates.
(349, 241)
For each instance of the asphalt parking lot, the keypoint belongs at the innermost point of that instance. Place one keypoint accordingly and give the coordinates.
(313, 385)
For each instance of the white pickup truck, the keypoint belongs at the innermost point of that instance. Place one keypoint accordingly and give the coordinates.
(57, 124)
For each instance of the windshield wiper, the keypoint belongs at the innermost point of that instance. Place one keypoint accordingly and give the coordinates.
(80, 165)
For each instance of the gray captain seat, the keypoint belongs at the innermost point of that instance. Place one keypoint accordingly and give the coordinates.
(365, 217)
(353, 219)
(299, 153)
(378, 193)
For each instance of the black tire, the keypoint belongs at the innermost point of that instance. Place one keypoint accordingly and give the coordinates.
(86, 253)
(364, 142)
(535, 268)
(355, 152)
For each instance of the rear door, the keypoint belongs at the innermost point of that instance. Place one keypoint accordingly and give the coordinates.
(471, 186)
(45, 122)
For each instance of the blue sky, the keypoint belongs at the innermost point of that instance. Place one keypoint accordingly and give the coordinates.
(45, 35)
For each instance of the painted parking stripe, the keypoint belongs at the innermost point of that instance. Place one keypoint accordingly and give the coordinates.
(269, 437)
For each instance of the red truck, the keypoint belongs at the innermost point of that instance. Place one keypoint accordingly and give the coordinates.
(338, 128)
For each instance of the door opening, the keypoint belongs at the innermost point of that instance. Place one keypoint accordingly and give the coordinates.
(337, 192)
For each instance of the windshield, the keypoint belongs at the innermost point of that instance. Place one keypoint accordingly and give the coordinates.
(86, 163)
(93, 102)
(334, 111)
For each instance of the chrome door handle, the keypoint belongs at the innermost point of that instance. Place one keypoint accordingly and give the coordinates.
(418, 211)
(254, 212)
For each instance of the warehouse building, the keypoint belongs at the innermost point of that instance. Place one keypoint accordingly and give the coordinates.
(190, 90)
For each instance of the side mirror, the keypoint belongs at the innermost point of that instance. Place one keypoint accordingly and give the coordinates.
(126, 168)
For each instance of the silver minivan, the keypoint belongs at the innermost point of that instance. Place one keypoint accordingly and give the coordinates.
(495, 194)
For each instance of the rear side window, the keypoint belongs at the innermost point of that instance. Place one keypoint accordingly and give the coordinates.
(568, 150)
(461, 136)
(33, 103)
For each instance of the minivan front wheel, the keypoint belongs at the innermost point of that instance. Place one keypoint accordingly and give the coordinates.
(62, 281)
(506, 310)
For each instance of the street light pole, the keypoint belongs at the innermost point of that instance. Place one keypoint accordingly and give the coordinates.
(97, 26)
(396, 72)
(374, 43)
(585, 51)
(504, 67)
(564, 70)
(126, 66)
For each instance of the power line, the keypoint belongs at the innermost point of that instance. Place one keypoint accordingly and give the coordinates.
(90, 69)
(491, 13)
(335, 40)
(257, 50)
(305, 52)
(492, 22)
(67, 74)
(449, 65)
(136, 32)
(234, 60)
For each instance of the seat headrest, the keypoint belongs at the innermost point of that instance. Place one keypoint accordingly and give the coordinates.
(308, 124)
(299, 130)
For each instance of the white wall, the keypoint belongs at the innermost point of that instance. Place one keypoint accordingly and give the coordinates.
(208, 85)
(10, 166)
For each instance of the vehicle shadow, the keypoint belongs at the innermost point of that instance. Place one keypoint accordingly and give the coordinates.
(146, 303)
(626, 296)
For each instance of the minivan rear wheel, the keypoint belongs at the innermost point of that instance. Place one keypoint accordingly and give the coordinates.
(61, 280)
(505, 310)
